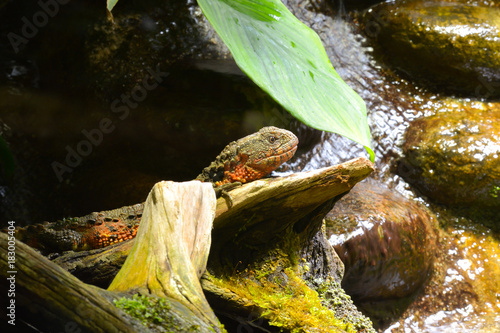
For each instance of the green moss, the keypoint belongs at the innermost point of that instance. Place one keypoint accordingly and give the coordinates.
(154, 313)
(148, 310)
(335, 298)
(162, 315)
(285, 299)
(495, 191)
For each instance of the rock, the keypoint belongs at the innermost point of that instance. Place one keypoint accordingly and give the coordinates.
(449, 46)
(119, 53)
(454, 159)
(387, 244)
(464, 283)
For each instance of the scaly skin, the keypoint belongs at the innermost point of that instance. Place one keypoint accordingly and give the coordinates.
(252, 157)
(92, 231)
(248, 159)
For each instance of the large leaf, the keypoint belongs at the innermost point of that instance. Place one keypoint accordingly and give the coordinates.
(286, 59)
(110, 4)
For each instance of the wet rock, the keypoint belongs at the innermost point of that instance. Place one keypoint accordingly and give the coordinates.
(454, 159)
(85, 51)
(146, 36)
(449, 46)
(462, 294)
(387, 244)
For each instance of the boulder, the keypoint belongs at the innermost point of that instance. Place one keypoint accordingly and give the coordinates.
(465, 281)
(454, 47)
(454, 158)
(387, 244)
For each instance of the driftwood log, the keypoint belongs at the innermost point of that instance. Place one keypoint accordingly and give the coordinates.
(172, 245)
(274, 224)
(264, 209)
(270, 263)
(166, 261)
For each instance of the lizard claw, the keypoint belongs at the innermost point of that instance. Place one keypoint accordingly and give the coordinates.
(222, 191)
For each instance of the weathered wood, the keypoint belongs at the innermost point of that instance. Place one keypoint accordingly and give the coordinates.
(52, 299)
(270, 261)
(288, 196)
(172, 245)
(171, 254)
(264, 209)
(264, 212)
(97, 267)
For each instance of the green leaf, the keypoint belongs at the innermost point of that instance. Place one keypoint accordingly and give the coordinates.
(286, 59)
(110, 4)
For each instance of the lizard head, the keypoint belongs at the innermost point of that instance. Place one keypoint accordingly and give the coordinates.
(252, 157)
(269, 148)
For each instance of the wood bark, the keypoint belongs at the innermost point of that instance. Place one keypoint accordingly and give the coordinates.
(167, 261)
(264, 209)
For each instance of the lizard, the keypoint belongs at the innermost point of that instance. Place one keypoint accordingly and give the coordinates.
(247, 159)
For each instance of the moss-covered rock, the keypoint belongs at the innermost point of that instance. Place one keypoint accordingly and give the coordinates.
(454, 158)
(276, 296)
(387, 244)
(454, 47)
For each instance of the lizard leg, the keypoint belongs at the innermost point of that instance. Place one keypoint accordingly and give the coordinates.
(222, 191)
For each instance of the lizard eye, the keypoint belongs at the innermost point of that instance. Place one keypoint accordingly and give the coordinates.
(272, 139)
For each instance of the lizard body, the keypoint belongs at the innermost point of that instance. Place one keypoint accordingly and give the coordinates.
(92, 231)
(247, 159)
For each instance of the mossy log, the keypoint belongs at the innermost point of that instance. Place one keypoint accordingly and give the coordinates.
(270, 240)
(270, 264)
